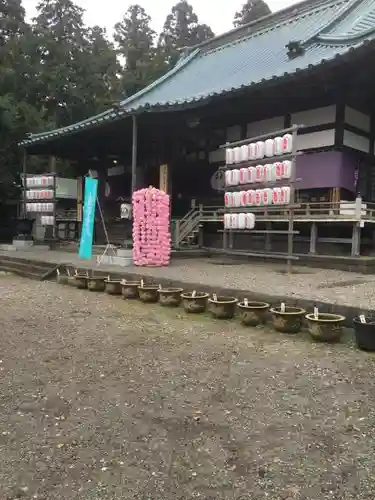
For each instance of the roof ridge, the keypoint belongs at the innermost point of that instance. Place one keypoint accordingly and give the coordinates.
(346, 8)
(265, 22)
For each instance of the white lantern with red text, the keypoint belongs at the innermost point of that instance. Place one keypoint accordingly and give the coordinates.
(243, 198)
(276, 196)
(269, 173)
(234, 221)
(286, 169)
(229, 156)
(269, 148)
(226, 221)
(250, 197)
(252, 151)
(237, 199)
(278, 146)
(252, 175)
(285, 195)
(244, 153)
(244, 175)
(228, 199)
(250, 221)
(287, 144)
(259, 173)
(241, 221)
(266, 196)
(237, 155)
(258, 197)
(259, 151)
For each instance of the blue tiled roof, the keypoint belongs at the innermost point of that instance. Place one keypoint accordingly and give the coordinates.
(248, 56)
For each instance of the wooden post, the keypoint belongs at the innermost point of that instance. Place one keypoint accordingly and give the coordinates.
(163, 178)
(356, 235)
(24, 176)
(231, 239)
(313, 237)
(134, 155)
(268, 243)
(356, 240)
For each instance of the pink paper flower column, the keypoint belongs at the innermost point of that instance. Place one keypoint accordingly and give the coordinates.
(151, 231)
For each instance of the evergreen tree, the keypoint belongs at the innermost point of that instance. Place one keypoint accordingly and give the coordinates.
(135, 44)
(78, 67)
(181, 29)
(251, 11)
(18, 110)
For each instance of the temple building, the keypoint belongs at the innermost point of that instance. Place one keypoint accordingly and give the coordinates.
(309, 64)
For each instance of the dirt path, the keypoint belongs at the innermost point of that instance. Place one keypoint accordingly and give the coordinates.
(102, 399)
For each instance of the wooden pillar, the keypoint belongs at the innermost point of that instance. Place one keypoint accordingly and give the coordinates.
(356, 234)
(313, 237)
(356, 240)
(134, 155)
(52, 164)
(225, 239)
(164, 178)
(231, 239)
(24, 176)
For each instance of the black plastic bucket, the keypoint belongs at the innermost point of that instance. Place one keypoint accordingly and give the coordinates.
(365, 333)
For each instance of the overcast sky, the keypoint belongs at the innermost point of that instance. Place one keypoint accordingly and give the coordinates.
(217, 13)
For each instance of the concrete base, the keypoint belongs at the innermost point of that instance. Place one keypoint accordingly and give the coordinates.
(24, 244)
(114, 260)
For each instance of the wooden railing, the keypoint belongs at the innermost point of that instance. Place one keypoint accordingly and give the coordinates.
(345, 211)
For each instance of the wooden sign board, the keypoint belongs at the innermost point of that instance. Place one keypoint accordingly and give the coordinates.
(163, 178)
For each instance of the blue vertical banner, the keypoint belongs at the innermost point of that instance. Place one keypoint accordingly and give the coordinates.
(89, 205)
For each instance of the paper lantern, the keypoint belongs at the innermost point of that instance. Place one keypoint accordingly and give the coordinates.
(228, 199)
(244, 176)
(244, 153)
(235, 177)
(251, 174)
(276, 196)
(259, 150)
(258, 197)
(228, 177)
(278, 166)
(234, 221)
(237, 199)
(285, 195)
(229, 156)
(241, 221)
(243, 198)
(268, 173)
(287, 144)
(226, 221)
(278, 146)
(250, 198)
(237, 155)
(269, 148)
(252, 151)
(266, 196)
(259, 173)
(250, 221)
(286, 169)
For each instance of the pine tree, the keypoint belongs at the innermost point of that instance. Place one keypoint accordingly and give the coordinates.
(251, 11)
(181, 29)
(135, 44)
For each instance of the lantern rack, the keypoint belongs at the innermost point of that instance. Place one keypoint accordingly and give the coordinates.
(34, 201)
(289, 207)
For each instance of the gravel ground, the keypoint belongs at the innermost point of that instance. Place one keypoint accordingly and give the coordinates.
(323, 285)
(106, 399)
